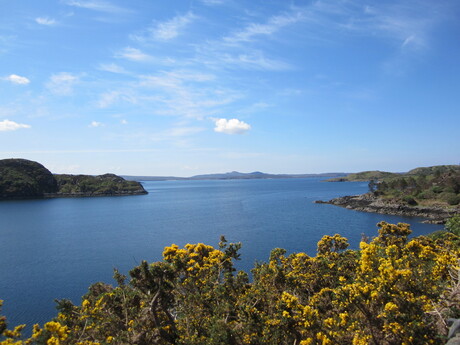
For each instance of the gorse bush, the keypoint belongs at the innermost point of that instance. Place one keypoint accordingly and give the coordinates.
(393, 290)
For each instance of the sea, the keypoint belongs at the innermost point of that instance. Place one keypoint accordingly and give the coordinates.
(56, 248)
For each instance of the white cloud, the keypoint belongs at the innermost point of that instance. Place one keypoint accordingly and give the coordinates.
(273, 25)
(45, 21)
(124, 122)
(232, 126)
(112, 97)
(213, 2)
(16, 79)
(132, 54)
(181, 95)
(254, 61)
(166, 30)
(95, 124)
(408, 23)
(62, 83)
(101, 6)
(113, 68)
(7, 125)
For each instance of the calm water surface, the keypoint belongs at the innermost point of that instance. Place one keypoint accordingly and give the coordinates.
(56, 248)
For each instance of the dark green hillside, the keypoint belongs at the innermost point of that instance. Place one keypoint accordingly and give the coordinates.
(86, 185)
(21, 178)
(439, 185)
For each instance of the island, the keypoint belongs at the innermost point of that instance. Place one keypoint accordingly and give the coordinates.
(429, 192)
(22, 178)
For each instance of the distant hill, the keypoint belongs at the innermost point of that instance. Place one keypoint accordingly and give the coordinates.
(437, 169)
(22, 178)
(365, 176)
(234, 175)
(384, 175)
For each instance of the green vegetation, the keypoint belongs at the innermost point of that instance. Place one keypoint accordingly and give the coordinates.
(427, 186)
(424, 186)
(453, 225)
(21, 178)
(364, 176)
(393, 290)
(86, 185)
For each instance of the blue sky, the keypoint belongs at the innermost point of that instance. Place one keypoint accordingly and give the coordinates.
(181, 88)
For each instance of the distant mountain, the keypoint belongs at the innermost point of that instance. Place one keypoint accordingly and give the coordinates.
(233, 175)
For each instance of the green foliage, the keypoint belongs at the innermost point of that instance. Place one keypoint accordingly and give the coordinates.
(435, 185)
(453, 225)
(20, 178)
(87, 185)
(365, 176)
(392, 291)
(438, 169)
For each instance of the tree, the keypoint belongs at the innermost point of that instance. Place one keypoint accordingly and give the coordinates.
(372, 185)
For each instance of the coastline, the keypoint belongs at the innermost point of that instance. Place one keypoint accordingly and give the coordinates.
(370, 203)
(92, 194)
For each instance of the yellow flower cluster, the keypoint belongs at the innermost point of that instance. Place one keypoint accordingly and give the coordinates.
(383, 293)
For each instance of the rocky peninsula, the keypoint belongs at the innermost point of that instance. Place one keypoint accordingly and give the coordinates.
(22, 179)
(371, 203)
(429, 192)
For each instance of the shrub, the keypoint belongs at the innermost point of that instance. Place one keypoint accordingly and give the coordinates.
(410, 200)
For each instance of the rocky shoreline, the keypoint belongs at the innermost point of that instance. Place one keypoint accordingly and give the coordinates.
(95, 194)
(371, 203)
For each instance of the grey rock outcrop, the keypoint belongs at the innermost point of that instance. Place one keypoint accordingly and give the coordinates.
(371, 203)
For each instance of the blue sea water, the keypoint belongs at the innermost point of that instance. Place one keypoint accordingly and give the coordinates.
(56, 248)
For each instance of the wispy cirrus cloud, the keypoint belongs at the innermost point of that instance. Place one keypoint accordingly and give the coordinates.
(186, 93)
(7, 126)
(167, 30)
(113, 68)
(407, 23)
(100, 6)
(213, 2)
(271, 26)
(17, 79)
(132, 54)
(255, 60)
(45, 21)
(107, 99)
(403, 24)
(62, 83)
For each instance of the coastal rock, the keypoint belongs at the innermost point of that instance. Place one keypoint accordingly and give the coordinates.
(371, 203)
